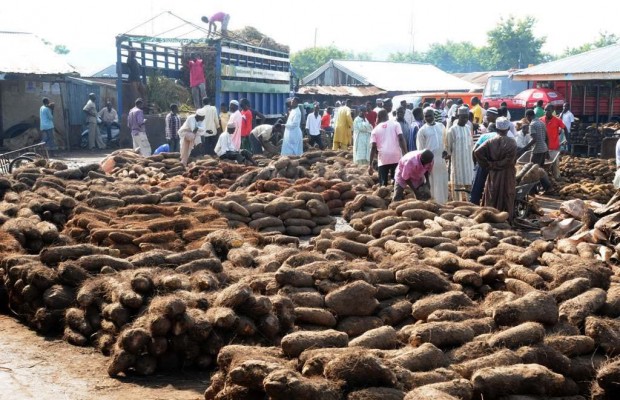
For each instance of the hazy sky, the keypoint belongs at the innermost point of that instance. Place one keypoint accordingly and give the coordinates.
(88, 28)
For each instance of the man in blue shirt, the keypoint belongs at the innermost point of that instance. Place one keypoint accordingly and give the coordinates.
(47, 124)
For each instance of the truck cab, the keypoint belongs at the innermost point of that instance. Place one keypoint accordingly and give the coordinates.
(501, 87)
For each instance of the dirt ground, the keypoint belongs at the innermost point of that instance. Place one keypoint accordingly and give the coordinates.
(34, 367)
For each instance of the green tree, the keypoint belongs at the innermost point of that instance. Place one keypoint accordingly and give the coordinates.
(512, 44)
(605, 39)
(454, 57)
(306, 61)
(61, 49)
(406, 57)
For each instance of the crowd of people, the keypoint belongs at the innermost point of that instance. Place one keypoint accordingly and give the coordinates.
(440, 151)
(445, 150)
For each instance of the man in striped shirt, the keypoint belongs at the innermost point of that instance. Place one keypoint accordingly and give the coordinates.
(173, 122)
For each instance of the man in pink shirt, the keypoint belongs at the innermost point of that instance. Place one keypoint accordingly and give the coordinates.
(220, 17)
(197, 80)
(388, 146)
(413, 170)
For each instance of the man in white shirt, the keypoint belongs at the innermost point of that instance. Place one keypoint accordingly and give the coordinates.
(408, 112)
(313, 128)
(262, 134)
(379, 107)
(226, 150)
(109, 118)
(567, 117)
(211, 127)
(190, 134)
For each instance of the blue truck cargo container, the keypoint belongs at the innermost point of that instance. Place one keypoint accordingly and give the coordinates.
(238, 70)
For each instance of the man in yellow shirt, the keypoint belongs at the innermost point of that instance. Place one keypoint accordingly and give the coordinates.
(477, 111)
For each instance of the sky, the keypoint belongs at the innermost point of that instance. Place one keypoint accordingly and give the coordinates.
(89, 29)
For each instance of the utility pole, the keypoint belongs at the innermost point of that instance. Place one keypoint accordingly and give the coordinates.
(316, 30)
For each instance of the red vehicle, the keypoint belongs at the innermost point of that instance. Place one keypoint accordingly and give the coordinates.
(590, 101)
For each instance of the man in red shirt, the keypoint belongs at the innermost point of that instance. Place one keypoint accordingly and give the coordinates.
(246, 124)
(197, 80)
(554, 124)
(371, 115)
(326, 120)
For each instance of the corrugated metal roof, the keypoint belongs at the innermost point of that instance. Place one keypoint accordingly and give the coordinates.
(348, 91)
(392, 76)
(603, 61)
(25, 53)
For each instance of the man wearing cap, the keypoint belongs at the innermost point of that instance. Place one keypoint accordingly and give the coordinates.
(499, 155)
(292, 144)
(459, 145)
(379, 106)
(431, 137)
(190, 134)
(236, 120)
(90, 109)
(137, 126)
(481, 173)
(344, 124)
(211, 127)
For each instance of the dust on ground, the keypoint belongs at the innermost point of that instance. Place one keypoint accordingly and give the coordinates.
(35, 367)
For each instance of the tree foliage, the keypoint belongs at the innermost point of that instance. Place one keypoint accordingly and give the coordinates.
(512, 44)
(604, 39)
(306, 61)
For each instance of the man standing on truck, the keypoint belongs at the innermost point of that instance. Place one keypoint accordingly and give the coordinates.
(197, 82)
(220, 17)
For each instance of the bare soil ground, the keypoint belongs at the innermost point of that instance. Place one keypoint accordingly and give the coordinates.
(35, 367)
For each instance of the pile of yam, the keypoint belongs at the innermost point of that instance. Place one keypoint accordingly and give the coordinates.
(163, 269)
(586, 178)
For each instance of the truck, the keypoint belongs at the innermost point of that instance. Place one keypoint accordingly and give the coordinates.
(590, 101)
(234, 70)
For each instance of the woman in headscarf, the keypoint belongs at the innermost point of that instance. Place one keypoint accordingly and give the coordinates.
(499, 155)
(361, 146)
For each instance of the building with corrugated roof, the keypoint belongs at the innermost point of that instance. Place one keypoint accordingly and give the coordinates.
(29, 71)
(366, 80)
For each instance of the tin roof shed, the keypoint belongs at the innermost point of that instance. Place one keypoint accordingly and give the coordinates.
(598, 64)
(25, 53)
(389, 76)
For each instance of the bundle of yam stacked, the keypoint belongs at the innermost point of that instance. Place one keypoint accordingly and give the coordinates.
(436, 302)
(303, 214)
(129, 164)
(587, 178)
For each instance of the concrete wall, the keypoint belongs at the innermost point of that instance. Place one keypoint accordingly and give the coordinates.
(21, 102)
